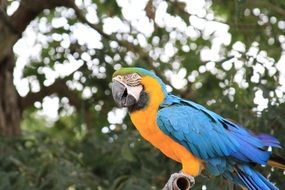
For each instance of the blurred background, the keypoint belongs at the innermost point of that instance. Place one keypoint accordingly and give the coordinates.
(59, 126)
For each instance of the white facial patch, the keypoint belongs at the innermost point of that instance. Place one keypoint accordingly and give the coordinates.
(135, 91)
(132, 83)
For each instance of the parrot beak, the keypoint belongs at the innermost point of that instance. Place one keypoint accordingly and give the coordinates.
(121, 95)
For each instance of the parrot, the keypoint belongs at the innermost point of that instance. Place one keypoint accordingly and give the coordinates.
(191, 134)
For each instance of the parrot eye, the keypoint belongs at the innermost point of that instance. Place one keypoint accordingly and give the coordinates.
(133, 79)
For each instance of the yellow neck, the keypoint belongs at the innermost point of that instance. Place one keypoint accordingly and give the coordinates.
(144, 119)
(153, 88)
(145, 122)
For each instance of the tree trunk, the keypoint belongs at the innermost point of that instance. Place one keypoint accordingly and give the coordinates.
(10, 109)
(11, 28)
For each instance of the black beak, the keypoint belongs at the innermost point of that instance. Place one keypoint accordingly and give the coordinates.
(121, 96)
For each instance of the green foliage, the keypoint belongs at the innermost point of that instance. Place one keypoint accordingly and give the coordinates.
(47, 160)
(83, 149)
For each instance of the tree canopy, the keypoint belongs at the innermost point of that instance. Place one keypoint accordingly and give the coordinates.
(60, 128)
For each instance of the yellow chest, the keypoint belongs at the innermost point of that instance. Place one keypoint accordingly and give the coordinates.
(145, 122)
(145, 119)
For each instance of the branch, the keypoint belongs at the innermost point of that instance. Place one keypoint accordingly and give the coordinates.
(129, 46)
(29, 9)
(268, 5)
(179, 181)
(11, 28)
(180, 7)
(59, 87)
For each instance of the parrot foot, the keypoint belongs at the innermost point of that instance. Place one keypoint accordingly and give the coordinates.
(179, 181)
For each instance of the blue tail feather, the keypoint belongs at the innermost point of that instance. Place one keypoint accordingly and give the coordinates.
(269, 140)
(251, 179)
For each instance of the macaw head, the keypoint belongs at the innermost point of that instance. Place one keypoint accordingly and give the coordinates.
(135, 88)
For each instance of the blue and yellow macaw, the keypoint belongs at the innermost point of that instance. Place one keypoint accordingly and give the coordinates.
(191, 134)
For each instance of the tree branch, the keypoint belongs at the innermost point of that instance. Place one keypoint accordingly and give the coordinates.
(59, 87)
(29, 9)
(129, 46)
(179, 181)
(12, 27)
(268, 5)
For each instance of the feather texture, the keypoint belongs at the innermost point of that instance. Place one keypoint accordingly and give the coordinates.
(227, 148)
(199, 138)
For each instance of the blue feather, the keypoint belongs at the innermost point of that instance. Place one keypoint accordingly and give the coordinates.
(226, 147)
(268, 140)
(252, 179)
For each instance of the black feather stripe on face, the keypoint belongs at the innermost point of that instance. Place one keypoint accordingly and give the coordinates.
(141, 104)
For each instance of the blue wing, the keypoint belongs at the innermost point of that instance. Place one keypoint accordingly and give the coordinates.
(226, 148)
(208, 135)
